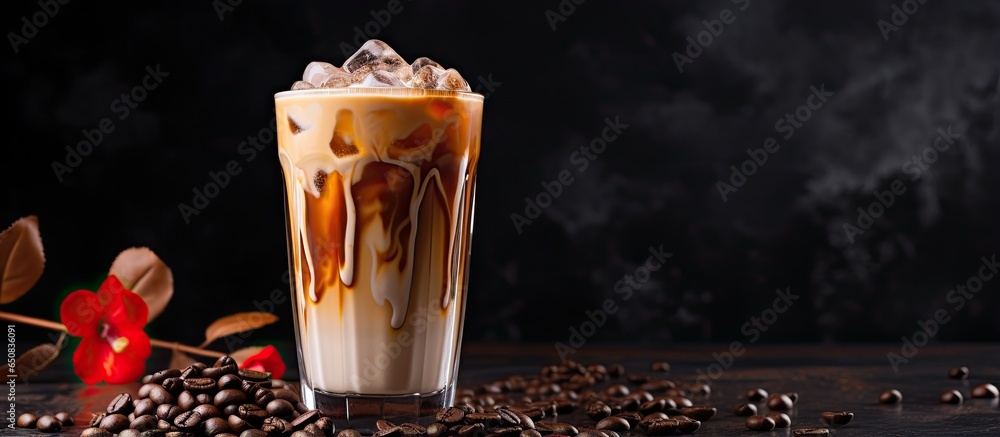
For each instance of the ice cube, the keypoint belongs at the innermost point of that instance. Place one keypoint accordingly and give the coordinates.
(302, 85)
(380, 78)
(421, 62)
(452, 81)
(426, 77)
(315, 72)
(338, 79)
(376, 55)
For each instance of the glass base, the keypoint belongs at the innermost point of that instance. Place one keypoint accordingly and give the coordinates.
(360, 412)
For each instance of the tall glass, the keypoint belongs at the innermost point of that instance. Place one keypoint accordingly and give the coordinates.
(379, 189)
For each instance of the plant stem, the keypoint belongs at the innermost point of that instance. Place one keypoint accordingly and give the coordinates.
(60, 327)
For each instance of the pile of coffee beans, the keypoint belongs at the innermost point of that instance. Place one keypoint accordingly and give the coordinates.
(46, 423)
(217, 401)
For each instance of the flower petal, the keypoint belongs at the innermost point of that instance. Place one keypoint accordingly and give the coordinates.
(129, 365)
(269, 359)
(80, 312)
(89, 359)
(124, 309)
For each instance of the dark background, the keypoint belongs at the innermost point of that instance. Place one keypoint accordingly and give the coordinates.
(655, 185)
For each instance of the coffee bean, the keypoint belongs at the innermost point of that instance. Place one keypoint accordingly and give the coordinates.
(187, 401)
(153, 433)
(163, 375)
(662, 427)
(207, 411)
(951, 397)
(193, 371)
(793, 396)
(188, 420)
(781, 420)
(179, 434)
(474, 429)
(204, 398)
(760, 423)
(237, 424)
(557, 428)
(96, 432)
(890, 397)
(613, 423)
(145, 389)
(121, 404)
(959, 373)
(450, 415)
(658, 386)
(275, 425)
(305, 418)
(414, 429)
(617, 391)
(303, 433)
(26, 420)
(436, 429)
(347, 433)
(587, 432)
(681, 401)
(214, 426)
(174, 386)
(160, 395)
(217, 372)
(48, 423)
(252, 413)
(144, 422)
(301, 407)
(837, 418)
(254, 375)
(142, 407)
(229, 396)
(632, 418)
(325, 424)
(230, 410)
(985, 391)
(530, 433)
(315, 430)
(812, 431)
(230, 381)
(280, 408)
(286, 394)
(756, 394)
(779, 402)
(660, 366)
(263, 396)
(699, 412)
(687, 425)
(168, 412)
(255, 433)
(65, 418)
(200, 385)
(745, 410)
(165, 426)
(114, 422)
(95, 420)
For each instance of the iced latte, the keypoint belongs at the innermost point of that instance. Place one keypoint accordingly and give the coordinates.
(379, 161)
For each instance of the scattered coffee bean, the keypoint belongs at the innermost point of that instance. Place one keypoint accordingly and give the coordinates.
(613, 423)
(48, 423)
(256, 433)
(951, 397)
(229, 396)
(262, 396)
(985, 391)
(781, 420)
(450, 415)
(142, 407)
(325, 424)
(586, 432)
(637, 378)
(207, 411)
(286, 394)
(890, 397)
(760, 423)
(26, 420)
(168, 412)
(437, 429)
(115, 422)
(304, 433)
(598, 410)
(812, 431)
(144, 422)
(161, 396)
(699, 412)
(528, 433)
(152, 433)
(959, 373)
(230, 381)
(145, 389)
(837, 418)
(280, 408)
(687, 425)
(163, 375)
(275, 425)
(252, 413)
(174, 386)
(96, 432)
(347, 433)
(660, 366)
(65, 418)
(199, 385)
(756, 394)
(779, 402)
(188, 420)
(745, 410)
(662, 427)
(793, 396)
(315, 430)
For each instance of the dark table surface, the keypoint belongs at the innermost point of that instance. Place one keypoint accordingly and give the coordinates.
(827, 377)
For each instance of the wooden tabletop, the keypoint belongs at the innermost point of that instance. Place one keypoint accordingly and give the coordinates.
(826, 377)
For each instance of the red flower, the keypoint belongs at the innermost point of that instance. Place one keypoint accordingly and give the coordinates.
(114, 347)
(267, 360)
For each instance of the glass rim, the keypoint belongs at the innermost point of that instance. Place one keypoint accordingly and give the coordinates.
(381, 91)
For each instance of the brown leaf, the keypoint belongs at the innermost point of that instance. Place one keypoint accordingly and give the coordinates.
(241, 355)
(237, 323)
(141, 271)
(36, 359)
(180, 360)
(21, 258)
